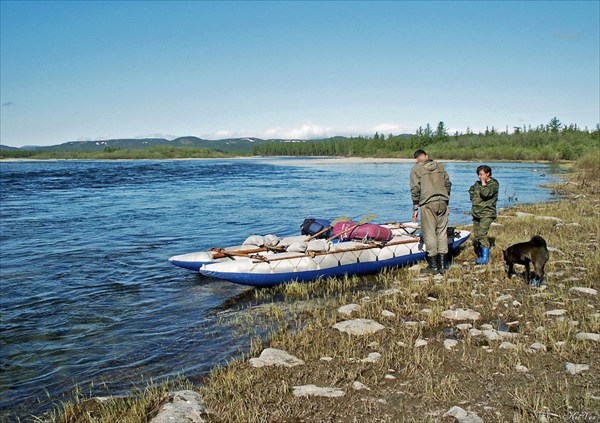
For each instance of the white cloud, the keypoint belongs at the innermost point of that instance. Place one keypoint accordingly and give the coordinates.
(307, 130)
(310, 130)
(156, 135)
(225, 134)
(390, 128)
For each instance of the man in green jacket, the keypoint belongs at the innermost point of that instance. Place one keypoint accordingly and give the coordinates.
(430, 190)
(484, 196)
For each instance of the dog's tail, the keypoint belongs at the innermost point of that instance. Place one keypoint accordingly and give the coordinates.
(538, 241)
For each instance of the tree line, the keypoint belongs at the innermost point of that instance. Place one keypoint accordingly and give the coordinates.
(553, 141)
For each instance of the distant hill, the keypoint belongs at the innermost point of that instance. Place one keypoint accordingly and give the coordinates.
(228, 145)
(6, 147)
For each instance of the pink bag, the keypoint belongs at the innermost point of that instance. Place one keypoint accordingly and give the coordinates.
(366, 230)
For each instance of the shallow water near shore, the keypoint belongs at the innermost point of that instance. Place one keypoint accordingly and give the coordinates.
(88, 295)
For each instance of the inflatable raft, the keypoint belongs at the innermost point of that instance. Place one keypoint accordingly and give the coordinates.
(269, 268)
(267, 246)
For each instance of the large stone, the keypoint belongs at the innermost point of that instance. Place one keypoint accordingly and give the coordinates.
(450, 343)
(275, 357)
(373, 357)
(183, 406)
(586, 336)
(348, 309)
(507, 346)
(584, 290)
(554, 313)
(359, 326)
(461, 314)
(576, 368)
(358, 386)
(463, 416)
(313, 390)
(496, 335)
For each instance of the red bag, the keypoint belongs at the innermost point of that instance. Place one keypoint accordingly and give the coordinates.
(366, 230)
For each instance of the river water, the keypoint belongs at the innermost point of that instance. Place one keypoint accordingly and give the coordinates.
(87, 293)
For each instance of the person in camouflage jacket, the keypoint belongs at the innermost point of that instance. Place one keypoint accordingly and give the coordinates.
(484, 196)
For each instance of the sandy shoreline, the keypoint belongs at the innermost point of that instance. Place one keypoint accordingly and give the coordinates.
(280, 159)
(289, 160)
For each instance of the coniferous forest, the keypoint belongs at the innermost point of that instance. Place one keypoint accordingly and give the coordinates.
(552, 142)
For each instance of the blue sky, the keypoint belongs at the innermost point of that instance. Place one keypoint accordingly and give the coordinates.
(99, 70)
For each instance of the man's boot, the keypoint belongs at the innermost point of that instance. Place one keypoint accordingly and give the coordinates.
(433, 265)
(443, 263)
(485, 256)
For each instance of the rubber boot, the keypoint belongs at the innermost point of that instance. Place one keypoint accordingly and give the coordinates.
(432, 268)
(477, 250)
(442, 263)
(485, 256)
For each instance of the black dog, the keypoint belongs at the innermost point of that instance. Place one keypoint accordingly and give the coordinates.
(534, 251)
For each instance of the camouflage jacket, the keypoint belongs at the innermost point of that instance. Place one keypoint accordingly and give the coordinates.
(484, 198)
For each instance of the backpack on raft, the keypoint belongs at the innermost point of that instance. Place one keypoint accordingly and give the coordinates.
(313, 226)
(366, 231)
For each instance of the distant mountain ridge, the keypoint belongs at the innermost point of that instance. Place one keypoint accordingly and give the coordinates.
(228, 145)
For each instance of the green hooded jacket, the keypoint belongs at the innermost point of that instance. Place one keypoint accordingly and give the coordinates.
(484, 198)
(429, 181)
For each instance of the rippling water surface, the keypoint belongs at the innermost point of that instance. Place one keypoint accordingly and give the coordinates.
(87, 293)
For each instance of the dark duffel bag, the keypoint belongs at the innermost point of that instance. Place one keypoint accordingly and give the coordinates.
(314, 226)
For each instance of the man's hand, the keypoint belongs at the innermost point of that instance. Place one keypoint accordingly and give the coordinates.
(415, 216)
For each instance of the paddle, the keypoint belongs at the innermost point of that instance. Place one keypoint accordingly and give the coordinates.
(322, 231)
(221, 252)
(402, 225)
(362, 221)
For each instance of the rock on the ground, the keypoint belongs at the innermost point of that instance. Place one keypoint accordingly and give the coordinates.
(373, 357)
(183, 406)
(359, 326)
(357, 386)
(538, 347)
(553, 313)
(463, 416)
(576, 368)
(495, 335)
(316, 391)
(507, 346)
(420, 343)
(348, 309)
(387, 313)
(584, 290)
(521, 369)
(450, 343)
(275, 357)
(461, 314)
(586, 336)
